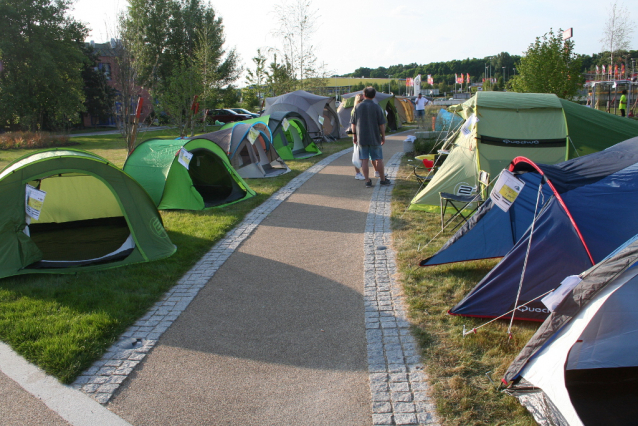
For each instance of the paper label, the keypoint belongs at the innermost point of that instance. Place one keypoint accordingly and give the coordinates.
(321, 118)
(34, 201)
(506, 189)
(553, 299)
(469, 123)
(253, 134)
(285, 124)
(184, 158)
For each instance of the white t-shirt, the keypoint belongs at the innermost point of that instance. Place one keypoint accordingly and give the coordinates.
(421, 103)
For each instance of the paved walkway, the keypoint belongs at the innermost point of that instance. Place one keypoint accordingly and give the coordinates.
(275, 325)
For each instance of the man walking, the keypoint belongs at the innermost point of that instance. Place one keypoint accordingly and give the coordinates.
(420, 103)
(368, 128)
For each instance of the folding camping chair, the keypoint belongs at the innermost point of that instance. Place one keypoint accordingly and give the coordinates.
(428, 164)
(462, 203)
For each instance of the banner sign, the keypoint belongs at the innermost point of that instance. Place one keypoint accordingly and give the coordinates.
(506, 189)
(34, 201)
(467, 127)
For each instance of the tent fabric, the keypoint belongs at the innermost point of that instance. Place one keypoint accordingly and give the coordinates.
(581, 365)
(91, 209)
(572, 228)
(447, 121)
(405, 109)
(250, 160)
(292, 144)
(210, 181)
(540, 127)
(385, 101)
(319, 112)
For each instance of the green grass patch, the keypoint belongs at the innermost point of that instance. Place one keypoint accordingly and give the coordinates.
(63, 323)
(460, 368)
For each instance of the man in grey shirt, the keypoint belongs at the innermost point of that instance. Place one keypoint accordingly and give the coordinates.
(368, 128)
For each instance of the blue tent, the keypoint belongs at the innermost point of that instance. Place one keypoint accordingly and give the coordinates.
(587, 208)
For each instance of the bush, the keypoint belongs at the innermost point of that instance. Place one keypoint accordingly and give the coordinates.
(424, 146)
(31, 140)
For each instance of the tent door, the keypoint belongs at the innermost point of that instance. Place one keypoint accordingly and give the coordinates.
(211, 179)
(80, 223)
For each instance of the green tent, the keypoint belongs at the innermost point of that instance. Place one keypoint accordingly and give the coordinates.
(66, 211)
(500, 126)
(385, 101)
(209, 181)
(289, 135)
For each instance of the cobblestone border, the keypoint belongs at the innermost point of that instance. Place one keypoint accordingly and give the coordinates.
(106, 375)
(398, 384)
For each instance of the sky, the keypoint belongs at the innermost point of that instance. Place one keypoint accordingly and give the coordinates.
(373, 33)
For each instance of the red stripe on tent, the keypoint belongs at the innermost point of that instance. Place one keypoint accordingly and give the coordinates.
(560, 200)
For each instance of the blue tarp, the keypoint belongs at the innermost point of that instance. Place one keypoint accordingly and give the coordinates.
(600, 191)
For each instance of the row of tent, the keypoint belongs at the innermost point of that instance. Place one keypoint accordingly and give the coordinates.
(83, 213)
(97, 216)
(569, 237)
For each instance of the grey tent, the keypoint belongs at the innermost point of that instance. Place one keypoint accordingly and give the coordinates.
(385, 101)
(249, 149)
(320, 112)
(581, 366)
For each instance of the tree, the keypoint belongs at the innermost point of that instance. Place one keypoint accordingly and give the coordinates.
(618, 30)
(41, 84)
(297, 24)
(549, 66)
(257, 78)
(99, 96)
(182, 88)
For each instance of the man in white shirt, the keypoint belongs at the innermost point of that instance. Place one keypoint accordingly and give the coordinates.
(420, 104)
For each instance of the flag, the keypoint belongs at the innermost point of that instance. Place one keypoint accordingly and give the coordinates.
(616, 71)
(467, 79)
(597, 70)
(603, 69)
(456, 78)
(622, 71)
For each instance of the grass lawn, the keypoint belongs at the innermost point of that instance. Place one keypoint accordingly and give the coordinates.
(465, 371)
(63, 323)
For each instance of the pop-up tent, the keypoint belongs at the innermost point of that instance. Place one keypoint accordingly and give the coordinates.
(502, 125)
(586, 208)
(249, 149)
(177, 182)
(319, 112)
(405, 109)
(581, 366)
(385, 101)
(66, 211)
(289, 135)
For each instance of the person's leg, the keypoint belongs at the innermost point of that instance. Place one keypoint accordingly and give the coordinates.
(622, 112)
(376, 153)
(364, 155)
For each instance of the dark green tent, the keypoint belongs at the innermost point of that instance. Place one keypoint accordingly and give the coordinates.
(85, 214)
(209, 181)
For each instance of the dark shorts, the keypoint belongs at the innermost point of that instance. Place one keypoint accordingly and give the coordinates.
(420, 113)
(372, 152)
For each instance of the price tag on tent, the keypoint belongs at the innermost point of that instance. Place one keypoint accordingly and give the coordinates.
(506, 189)
(34, 201)
(321, 118)
(469, 123)
(285, 124)
(184, 157)
(253, 134)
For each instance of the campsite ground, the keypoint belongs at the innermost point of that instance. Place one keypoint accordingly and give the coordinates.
(64, 322)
